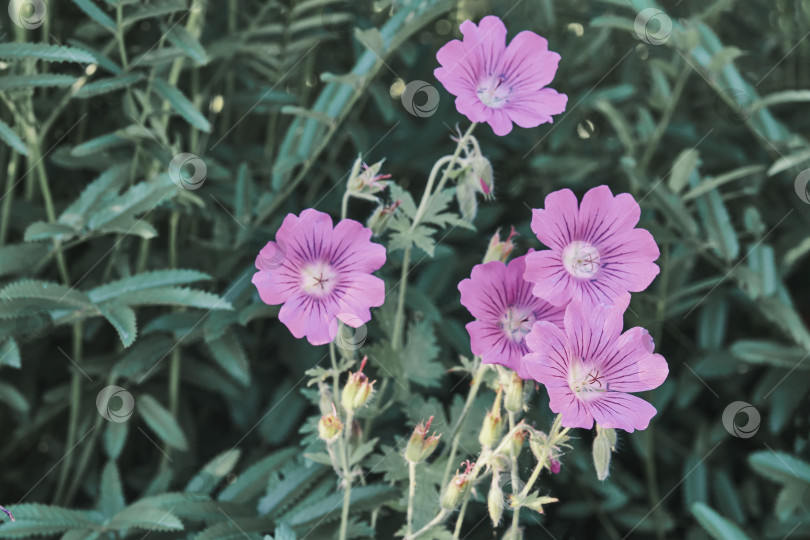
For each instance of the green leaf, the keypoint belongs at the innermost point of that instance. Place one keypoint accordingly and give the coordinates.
(184, 40)
(123, 320)
(786, 96)
(182, 105)
(419, 356)
(782, 164)
(13, 398)
(148, 518)
(144, 281)
(42, 230)
(44, 52)
(769, 352)
(95, 13)
(161, 421)
(685, 165)
(77, 213)
(140, 198)
(780, 466)
(115, 435)
(99, 144)
(363, 498)
(10, 137)
(174, 296)
(111, 492)
(254, 479)
(60, 295)
(230, 355)
(16, 258)
(10, 354)
(39, 80)
(105, 86)
(716, 525)
(717, 223)
(205, 481)
(155, 8)
(710, 183)
(287, 486)
(42, 520)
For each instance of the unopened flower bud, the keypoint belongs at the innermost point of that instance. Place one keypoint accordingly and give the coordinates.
(381, 217)
(493, 424)
(457, 487)
(554, 466)
(495, 500)
(499, 250)
(513, 400)
(357, 390)
(608, 433)
(421, 445)
(367, 179)
(475, 176)
(601, 456)
(536, 503)
(517, 442)
(330, 427)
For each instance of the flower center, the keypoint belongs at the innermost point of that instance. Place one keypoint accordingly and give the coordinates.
(516, 323)
(581, 259)
(585, 381)
(318, 278)
(494, 92)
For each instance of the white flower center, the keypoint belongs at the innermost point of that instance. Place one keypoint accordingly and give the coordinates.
(581, 259)
(494, 92)
(318, 278)
(585, 381)
(517, 323)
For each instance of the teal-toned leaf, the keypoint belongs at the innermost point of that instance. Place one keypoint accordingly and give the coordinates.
(123, 320)
(115, 435)
(156, 8)
(10, 354)
(16, 258)
(40, 80)
(146, 518)
(254, 479)
(99, 144)
(45, 52)
(45, 290)
(42, 520)
(780, 467)
(161, 421)
(420, 354)
(182, 105)
(10, 137)
(363, 498)
(13, 398)
(716, 525)
(174, 296)
(95, 13)
(111, 492)
(144, 281)
(105, 86)
(42, 230)
(230, 355)
(184, 40)
(76, 215)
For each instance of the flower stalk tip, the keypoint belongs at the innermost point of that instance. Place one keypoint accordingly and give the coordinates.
(421, 445)
(357, 390)
(330, 427)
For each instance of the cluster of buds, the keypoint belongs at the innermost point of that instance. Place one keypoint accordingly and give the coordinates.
(357, 390)
(475, 176)
(330, 427)
(546, 450)
(367, 180)
(421, 445)
(493, 424)
(458, 486)
(603, 446)
(499, 250)
(381, 217)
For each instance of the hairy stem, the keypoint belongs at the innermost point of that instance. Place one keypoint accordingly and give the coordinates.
(456, 433)
(411, 493)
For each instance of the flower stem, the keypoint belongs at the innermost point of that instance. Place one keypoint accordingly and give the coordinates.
(456, 434)
(515, 479)
(344, 205)
(347, 478)
(411, 493)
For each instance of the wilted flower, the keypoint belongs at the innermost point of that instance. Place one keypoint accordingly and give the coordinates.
(500, 84)
(357, 390)
(475, 176)
(589, 368)
(505, 310)
(495, 499)
(330, 427)
(493, 424)
(321, 274)
(499, 250)
(381, 217)
(597, 255)
(457, 487)
(421, 445)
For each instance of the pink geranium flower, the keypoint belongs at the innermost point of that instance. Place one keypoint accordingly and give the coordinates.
(321, 275)
(505, 310)
(497, 84)
(589, 368)
(597, 255)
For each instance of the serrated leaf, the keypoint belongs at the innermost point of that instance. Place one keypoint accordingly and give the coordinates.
(10, 354)
(59, 295)
(19, 257)
(363, 498)
(123, 320)
(105, 86)
(254, 479)
(76, 214)
(155, 8)
(42, 230)
(143, 517)
(780, 466)
(99, 144)
(174, 296)
(39, 80)
(716, 525)
(95, 13)
(184, 40)
(419, 356)
(41, 520)
(115, 435)
(161, 421)
(10, 137)
(282, 492)
(144, 281)
(182, 105)
(45, 52)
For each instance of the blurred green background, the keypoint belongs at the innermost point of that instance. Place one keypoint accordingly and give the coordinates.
(698, 108)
